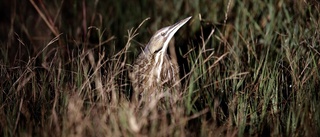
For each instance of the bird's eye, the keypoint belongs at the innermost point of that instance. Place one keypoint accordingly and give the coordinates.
(162, 34)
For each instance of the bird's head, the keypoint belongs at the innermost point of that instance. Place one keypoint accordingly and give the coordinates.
(160, 40)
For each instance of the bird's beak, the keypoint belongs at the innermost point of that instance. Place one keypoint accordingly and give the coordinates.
(172, 30)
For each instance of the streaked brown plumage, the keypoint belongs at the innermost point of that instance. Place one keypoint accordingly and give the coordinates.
(153, 71)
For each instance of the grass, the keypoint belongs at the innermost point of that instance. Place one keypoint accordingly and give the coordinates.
(248, 68)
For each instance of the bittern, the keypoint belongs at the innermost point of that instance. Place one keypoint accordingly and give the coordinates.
(153, 70)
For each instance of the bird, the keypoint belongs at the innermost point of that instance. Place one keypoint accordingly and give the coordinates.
(154, 71)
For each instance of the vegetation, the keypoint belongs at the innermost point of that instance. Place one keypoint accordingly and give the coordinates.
(248, 68)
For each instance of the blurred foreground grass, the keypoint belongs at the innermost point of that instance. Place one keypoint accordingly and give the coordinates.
(63, 68)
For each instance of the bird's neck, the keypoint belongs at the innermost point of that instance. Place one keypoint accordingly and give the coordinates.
(146, 50)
